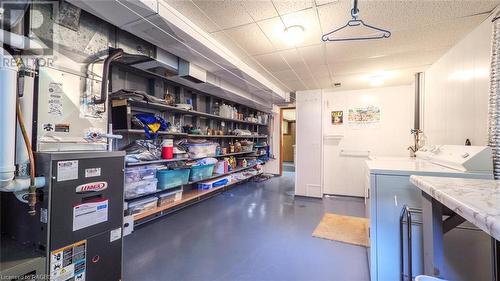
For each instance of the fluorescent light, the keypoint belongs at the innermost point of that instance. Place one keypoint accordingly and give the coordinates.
(294, 35)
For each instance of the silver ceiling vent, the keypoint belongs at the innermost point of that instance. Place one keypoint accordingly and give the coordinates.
(192, 72)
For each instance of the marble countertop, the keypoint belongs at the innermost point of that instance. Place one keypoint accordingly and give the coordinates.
(476, 200)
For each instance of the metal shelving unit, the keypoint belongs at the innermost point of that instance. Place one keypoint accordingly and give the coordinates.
(123, 111)
(163, 161)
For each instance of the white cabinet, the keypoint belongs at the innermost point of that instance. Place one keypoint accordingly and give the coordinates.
(308, 179)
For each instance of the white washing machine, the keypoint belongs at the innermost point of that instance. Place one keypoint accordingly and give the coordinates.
(388, 189)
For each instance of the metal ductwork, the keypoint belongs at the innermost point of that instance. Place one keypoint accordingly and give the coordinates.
(192, 72)
(494, 98)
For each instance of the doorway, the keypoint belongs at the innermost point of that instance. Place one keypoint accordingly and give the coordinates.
(288, 132)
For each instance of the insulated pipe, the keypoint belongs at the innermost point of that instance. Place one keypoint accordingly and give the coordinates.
(494, 99)
(22, 184)
(8, 83)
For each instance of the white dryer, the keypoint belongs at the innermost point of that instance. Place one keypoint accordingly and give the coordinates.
(388, 189)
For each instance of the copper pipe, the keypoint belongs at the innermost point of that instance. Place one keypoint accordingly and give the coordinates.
(32, 189)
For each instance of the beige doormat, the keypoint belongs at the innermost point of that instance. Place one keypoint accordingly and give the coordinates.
(346, 229)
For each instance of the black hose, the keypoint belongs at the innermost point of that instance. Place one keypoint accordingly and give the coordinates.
(115, 54)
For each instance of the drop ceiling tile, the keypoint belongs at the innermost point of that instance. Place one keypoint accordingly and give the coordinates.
(224, 39)
(194, 14)
(313, 55)
(260, 10)
(303, 72)
(324, 83)
(320, 71)
(226, 14)
(251, 38)
(290, 6)
(295, 85)
(272, 62)
(274, 30)
(285, 75)
(311, 84)
(291, 56)
(395, 61)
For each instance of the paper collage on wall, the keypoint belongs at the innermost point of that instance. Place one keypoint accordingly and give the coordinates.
(364, 115)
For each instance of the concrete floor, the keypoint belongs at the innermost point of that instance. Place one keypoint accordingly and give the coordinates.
(254, 232)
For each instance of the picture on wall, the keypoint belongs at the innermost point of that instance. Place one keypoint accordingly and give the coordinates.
(364, 115)
(337, 117)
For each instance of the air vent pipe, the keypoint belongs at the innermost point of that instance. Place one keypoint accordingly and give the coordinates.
(494, 98)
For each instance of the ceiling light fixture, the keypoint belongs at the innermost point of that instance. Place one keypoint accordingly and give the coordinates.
(294, 35)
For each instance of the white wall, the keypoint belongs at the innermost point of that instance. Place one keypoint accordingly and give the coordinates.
(344, 172)
(456, 91)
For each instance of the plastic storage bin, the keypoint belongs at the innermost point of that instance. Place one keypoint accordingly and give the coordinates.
(201, 172)
(138, 188)
(172, 178)
(167, 198)
(142, 205)
(200, 150)
(140, 180)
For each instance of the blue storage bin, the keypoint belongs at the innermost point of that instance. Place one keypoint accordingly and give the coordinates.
(172, 178)
(201, 172)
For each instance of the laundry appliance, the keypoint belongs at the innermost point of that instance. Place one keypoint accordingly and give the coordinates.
(388, 190)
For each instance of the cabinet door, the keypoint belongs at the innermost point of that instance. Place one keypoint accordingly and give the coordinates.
(392, 193)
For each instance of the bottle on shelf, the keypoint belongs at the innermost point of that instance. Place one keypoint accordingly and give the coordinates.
(216, 109)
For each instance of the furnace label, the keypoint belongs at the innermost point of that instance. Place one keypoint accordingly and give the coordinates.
(69, 263)
(90, 213)
(92, 172)
(67, 170)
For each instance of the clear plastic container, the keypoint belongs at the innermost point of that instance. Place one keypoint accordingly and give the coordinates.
(134, 189)
(199, 150)
(172, 178)
(143, 205)
(140, 180)
(168, 198)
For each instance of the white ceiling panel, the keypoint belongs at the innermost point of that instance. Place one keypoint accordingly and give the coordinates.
(274, 30)
(286, 75)
(291, 56)
(311, 84)
(303, 71)
(313, 55)
(191, 11)
(251, 38)
(260, 10)
(272, 61)
(225, 14)
(254, 30)
(320, 71)
(290, 6)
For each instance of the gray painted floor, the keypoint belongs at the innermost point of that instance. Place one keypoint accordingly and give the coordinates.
(288, 167)
(255, 231)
